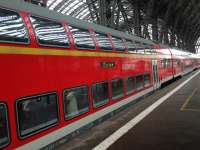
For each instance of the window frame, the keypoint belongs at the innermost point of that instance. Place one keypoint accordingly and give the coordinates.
(63, 100)
(25, 26)
(114, 43)
(8, 125)
(127, 44)
(147, 73)
(142, 75)
(95, 47)
(102, 104)
(52, 20)
(42, 129)
(119, 96)
(133, 90)
(107, 35)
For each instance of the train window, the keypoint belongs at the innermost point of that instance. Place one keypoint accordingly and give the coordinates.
(82, 38)
(162, 63)
(139, 82)
(178, 62)
(117, 89)
(4, 131)
(36, 113)
(104, 42)
(130, 85)
(49, 33)
(149, 51)
(12, 28)
(131, 46)
(76, 101)
(146, 80)
(119, 44)
(100, 94)
(168, 63)
(165, 63)
(140, 50)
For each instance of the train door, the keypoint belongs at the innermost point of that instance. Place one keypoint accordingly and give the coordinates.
(155, 76)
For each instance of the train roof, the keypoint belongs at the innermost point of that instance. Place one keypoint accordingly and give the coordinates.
(176, 52)
(20, 5)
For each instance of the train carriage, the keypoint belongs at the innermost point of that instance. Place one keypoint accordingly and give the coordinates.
(59, 74)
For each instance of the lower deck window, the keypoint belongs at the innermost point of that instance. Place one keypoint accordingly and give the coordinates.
(146, 80)
(4, 132)
(36, 113)
(117, 89)
(76, 101)
(130, 85)
(139, 82)
(100, 94)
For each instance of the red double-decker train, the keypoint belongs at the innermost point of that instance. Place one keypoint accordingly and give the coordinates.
(59, 74)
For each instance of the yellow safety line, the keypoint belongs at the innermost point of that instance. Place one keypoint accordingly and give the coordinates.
(188, 100)
(56, 52)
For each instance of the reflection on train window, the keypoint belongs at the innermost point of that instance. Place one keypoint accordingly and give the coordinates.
(131, 46)
(117, 89)
(140, 50)
(178, 62)
(4, 132)
(119, 44)
(139, 82)
(82, 38)
(146, 80)
(165, 63)
(100, 94)
(162, 63)
(12, 28)
(36, 113)
(130, 85)
(49, 33)
(76, 101)
(104, 42)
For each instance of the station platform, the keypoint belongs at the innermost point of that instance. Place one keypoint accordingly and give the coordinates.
(173, 125)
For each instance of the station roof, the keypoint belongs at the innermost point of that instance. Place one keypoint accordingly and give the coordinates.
(180, 17)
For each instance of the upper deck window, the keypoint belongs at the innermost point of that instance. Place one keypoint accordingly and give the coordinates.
(104, 42)
(36, 113)
(4, 133)
(82, 38)
(119, 44)
(49, 33)
(12, 28)
(131, 46)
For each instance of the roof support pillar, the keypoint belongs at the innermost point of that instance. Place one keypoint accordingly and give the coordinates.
(166, 37)
(93, 10)
(163, 38)
(105, 13)
(155, 30)
(173, 39)
(146, 32)
(137, 25)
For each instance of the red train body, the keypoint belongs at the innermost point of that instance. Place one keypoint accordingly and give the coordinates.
(36, 76)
